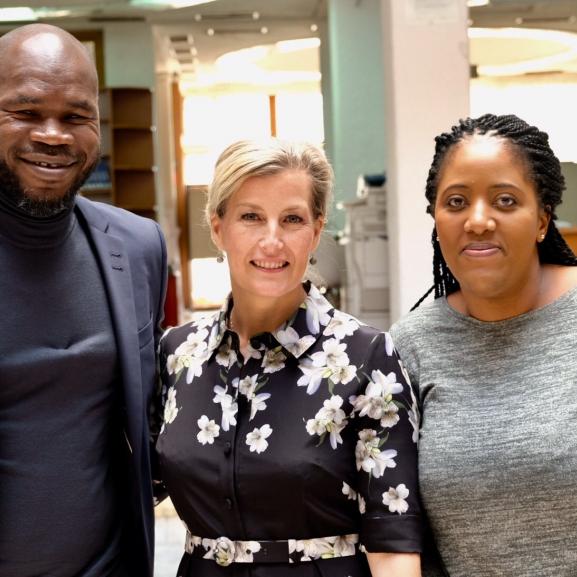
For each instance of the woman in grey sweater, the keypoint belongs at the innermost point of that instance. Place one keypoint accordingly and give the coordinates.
(494, 357)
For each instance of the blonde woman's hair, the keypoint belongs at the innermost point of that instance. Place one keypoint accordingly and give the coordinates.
(247, 158)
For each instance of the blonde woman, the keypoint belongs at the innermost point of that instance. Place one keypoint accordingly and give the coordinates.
(288, 433)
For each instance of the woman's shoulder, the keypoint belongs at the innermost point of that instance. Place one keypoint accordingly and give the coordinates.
(426, 317)
(199, 329)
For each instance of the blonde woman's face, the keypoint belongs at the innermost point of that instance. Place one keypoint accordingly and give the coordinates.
(268, 234)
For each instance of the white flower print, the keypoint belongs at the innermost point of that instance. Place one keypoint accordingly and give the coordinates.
(342, 325)
(388, 384)
(292, 342)
(362, 505)
(191, 542)
(343, 375)
(172, 364)
(216, 332)
(349, 492)
(345, 545)
(332, 356)
(317, 309)
(246, 386)
(194, 365)
(257, 403)
(252, 353)
(329, 419)
(228, 405)
(209, 430)
(311, 548)
(312, 376)
(194, 345)
(377, 402)
(257, 439)
(273, 361)
(170, 408)
(244, 551)
(389, 345)
(191, 354)
(390, 416)
(369, 456)
(395, 497)
(205, 320)
(226, 355)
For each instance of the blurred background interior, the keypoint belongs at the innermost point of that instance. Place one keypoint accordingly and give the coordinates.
(373, 81)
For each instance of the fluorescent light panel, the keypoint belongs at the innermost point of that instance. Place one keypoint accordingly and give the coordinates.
(17, 14)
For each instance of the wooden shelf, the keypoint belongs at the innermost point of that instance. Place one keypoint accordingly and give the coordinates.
(127, 146)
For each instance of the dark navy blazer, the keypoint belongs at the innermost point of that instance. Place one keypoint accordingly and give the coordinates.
(132, 255)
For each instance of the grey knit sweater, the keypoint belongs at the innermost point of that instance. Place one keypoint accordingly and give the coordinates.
(498, 448)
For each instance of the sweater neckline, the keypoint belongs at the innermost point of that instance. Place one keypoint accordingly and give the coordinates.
(512, 321)
(25, 231)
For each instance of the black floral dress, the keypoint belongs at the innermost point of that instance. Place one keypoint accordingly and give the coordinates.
(294, 460)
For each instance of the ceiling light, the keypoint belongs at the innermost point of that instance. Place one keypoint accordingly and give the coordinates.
(255, 15)
(169, 3)
(477, 3)
(567, 53)
(264, 30)
(287, 46)
(314, 27)
(210, 31)
(17, 14)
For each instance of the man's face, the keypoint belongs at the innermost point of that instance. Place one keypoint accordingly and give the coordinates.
(49, 129)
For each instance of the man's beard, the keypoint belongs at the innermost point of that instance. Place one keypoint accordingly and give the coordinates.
(11, 189)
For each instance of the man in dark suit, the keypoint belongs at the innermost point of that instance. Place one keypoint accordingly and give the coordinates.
(81, 296)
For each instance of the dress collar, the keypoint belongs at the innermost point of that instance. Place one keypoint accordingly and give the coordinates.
(296, 335)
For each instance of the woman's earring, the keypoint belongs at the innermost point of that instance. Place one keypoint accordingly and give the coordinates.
(542, 237)
(220, 257)
(312, 260)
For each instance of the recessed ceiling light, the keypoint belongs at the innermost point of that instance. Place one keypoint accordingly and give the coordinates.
(17, 14)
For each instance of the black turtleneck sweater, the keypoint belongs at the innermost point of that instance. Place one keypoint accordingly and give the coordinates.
(59, 401)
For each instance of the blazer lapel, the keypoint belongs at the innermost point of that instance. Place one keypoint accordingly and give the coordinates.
(113, 260)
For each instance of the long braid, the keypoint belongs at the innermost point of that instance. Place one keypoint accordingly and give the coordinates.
(532, 145)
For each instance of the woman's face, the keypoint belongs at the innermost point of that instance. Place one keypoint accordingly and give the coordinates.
(268, 233)
(488, 218)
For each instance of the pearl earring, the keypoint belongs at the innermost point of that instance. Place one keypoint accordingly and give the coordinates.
(220, 257)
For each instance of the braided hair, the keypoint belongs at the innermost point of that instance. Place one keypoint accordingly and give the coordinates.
(532, 145)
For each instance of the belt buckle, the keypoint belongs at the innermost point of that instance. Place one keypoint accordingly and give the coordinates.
(224, 551)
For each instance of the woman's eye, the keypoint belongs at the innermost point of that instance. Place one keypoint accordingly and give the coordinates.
(506, 201)
(249, 216)
(294, 219)
(456, 202)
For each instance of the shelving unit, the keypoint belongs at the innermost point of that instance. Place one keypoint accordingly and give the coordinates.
(125, 176)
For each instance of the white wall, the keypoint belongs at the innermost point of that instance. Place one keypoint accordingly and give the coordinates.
(129, 55)
(426, 91)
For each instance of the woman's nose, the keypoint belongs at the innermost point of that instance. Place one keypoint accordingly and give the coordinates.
(272, 239)
(480, 219)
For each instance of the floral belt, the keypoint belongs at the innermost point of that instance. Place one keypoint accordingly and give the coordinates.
(224, 551)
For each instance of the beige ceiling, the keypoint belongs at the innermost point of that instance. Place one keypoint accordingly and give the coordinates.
(204, 32)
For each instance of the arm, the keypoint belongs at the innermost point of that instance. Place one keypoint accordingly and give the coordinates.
(158, 400)
(394, 564)
(386, 419)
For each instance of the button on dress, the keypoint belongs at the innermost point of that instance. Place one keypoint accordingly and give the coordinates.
(310, 439)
